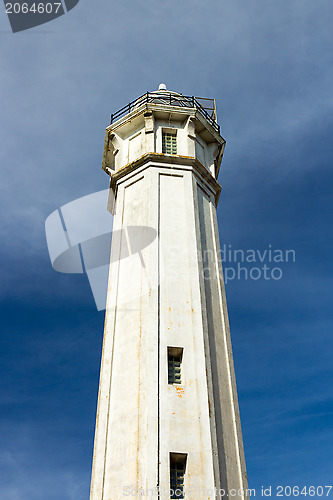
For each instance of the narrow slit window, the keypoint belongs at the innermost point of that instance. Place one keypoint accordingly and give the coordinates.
(177, 474)
(175, 355)
(169, 143)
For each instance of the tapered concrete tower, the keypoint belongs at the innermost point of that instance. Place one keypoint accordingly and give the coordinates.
(168, 415)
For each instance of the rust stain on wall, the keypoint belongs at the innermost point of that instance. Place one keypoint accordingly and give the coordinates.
(180, 391)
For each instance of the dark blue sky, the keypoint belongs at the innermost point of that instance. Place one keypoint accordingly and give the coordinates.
(269, 66)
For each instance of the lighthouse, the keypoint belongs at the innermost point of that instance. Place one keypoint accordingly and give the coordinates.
(168, 423)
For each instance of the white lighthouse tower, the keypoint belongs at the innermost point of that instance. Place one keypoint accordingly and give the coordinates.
(168, 423)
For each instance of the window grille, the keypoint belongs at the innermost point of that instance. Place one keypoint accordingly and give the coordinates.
(177, 474)
(169, 143)
(175, 355)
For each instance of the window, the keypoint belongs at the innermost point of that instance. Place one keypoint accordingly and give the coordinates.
(175, 355)
(177, 474)
(169, 143)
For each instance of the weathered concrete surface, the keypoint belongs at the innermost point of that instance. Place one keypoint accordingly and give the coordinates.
(171, 293)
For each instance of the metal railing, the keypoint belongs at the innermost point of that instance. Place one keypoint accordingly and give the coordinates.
(170, 99)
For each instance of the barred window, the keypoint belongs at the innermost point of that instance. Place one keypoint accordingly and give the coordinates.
(169, 143)
(177, 474)
(175, 355)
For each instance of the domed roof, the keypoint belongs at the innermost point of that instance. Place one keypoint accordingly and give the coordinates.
(162, 88)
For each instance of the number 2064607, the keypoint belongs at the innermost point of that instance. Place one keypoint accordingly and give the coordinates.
(35, 8)
(295, 491)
